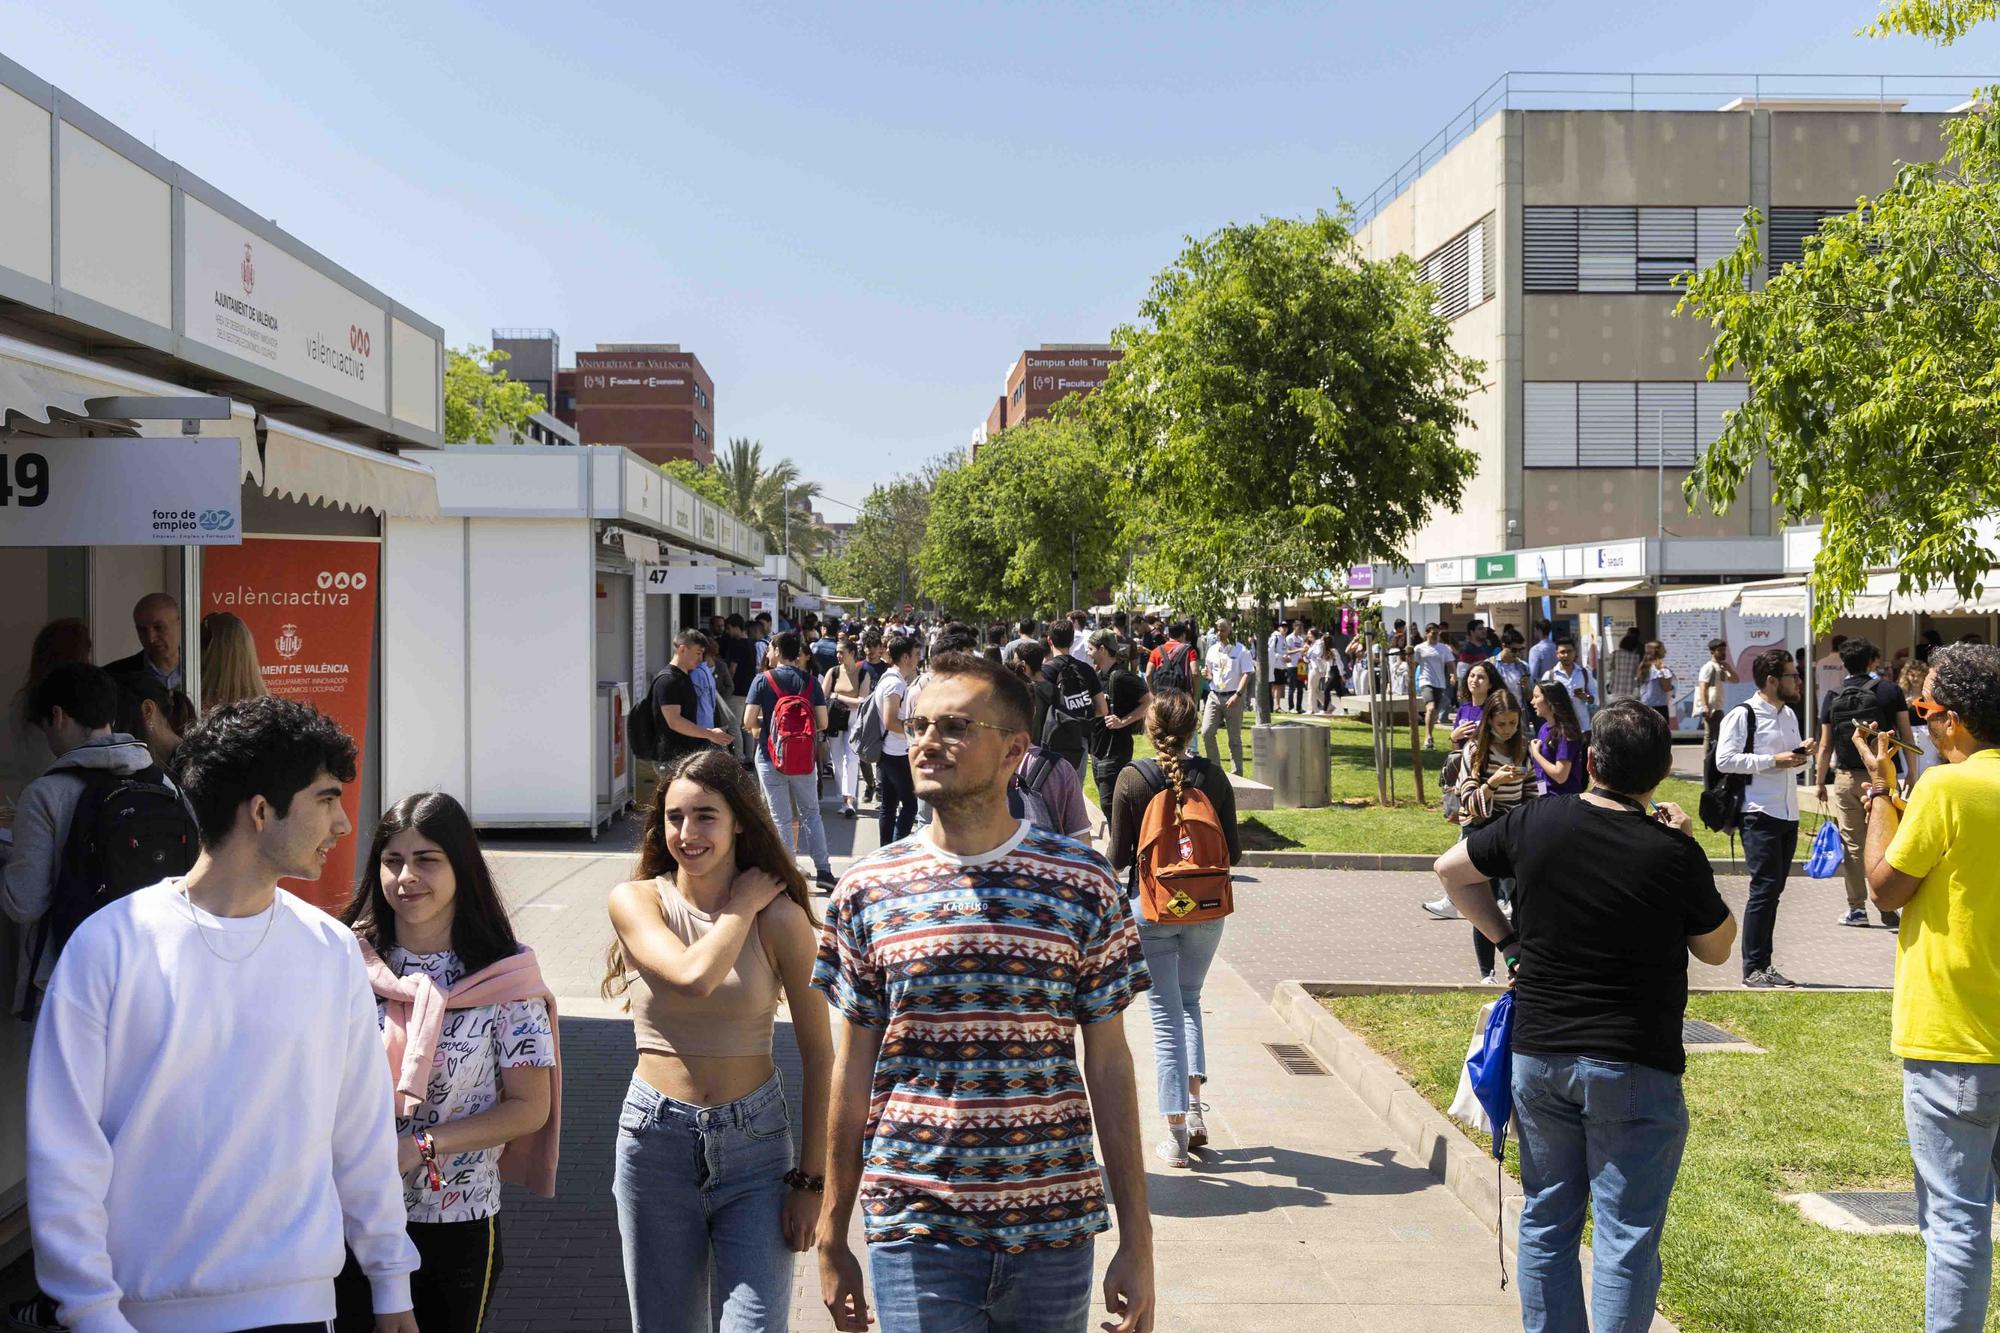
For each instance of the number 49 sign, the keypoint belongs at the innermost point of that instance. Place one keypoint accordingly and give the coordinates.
(175, 491)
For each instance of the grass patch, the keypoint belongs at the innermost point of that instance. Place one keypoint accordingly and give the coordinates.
(1823, 1110)
(1369, 826)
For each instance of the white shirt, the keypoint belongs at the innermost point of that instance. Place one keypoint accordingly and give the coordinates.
(1079, 648)
(1277, 648)
(1435, 660)
(1576, 679)
(177, 1097)
(893, 686)
(1228, 664)
(1772, 791)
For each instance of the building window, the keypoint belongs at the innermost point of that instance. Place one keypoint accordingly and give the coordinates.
(1623, 424)
(1789, 229)
(1460, 271)
(1616, 250)
(1019, 389)
(568, 402)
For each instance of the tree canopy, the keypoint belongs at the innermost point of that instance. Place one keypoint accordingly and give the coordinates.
(481, 404)
(880, 558)
(703, 481)
(770, 497)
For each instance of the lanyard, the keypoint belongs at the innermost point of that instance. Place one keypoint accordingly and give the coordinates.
(1634, 806)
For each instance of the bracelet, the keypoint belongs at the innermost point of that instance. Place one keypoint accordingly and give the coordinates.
(799, 1180)
(427, 1151)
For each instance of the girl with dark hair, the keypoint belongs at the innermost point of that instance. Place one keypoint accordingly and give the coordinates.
(471, 1035)
(1557, 750)
(715, 923)
(1494, 779)
(1656, 681)
(1178, 956)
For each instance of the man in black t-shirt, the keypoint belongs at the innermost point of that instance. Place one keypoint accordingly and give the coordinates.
(1860, 697)
(673, 693)
(739, 654)
(1611, 896)
(1078, 693)
(1126, 699)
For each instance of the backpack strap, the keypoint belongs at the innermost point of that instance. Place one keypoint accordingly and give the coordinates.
(1040, 765)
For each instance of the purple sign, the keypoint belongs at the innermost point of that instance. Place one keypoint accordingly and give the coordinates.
(1361, 576)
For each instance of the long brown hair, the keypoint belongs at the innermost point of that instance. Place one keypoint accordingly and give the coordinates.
(481, 933)
(1170, 719)
(1500, 701)
(758, 846)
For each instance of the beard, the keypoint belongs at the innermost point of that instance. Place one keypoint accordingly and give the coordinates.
(956, 790)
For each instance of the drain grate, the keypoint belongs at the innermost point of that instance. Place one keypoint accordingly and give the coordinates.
(1293, 1058)
(1877, 1208)
(1697, 1033)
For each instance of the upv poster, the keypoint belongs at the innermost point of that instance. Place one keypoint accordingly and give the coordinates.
(310, 607)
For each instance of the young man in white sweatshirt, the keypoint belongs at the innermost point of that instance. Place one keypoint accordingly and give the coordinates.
(209, 1112)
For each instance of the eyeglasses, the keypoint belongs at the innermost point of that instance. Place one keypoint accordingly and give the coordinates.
(950, 729)
(1927, 710)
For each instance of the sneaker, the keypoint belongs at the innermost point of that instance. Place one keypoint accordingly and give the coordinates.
(1173, 1149)
(1892, 920)
(826, 879)
(1779, 978)
(1197, 1128)
(1490, 979)
(35, 1315)
(847, 812)
(1442, 909)
(1854, 916)
(1758, 980)
(1507, 908)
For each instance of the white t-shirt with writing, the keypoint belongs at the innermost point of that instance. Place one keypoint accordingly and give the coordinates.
(474, 1045)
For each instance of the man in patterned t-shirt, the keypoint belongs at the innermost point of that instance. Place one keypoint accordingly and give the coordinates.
(962, 959)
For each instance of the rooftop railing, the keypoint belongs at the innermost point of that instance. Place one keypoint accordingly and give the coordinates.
(1571, 90)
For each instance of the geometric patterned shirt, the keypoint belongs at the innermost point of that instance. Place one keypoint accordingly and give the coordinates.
(978, 970)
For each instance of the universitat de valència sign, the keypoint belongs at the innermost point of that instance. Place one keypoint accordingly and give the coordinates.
(246, 297)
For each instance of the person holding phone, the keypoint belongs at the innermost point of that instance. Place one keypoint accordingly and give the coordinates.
(1761, 739)
(1494, 779)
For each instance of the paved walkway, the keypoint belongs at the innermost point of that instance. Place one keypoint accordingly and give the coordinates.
(1300, 1216)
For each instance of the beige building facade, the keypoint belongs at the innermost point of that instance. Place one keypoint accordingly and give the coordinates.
(1553, 237)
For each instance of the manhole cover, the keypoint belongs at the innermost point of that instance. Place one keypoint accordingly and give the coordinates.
(1293, 1058)
(1697, 1033)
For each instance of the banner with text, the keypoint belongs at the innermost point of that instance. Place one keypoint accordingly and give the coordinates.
(310, 607)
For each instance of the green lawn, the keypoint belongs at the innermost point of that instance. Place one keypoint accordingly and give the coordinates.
(1823, 1110)
(1365, 825)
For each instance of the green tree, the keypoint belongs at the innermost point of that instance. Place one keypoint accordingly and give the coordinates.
(1284, 407)
(1023, 521)
(1874, 384)
(879, 560)
(481, 404)
(772, 498)
(703, 481)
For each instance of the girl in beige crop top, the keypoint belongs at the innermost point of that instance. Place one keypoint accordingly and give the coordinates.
(713, 926)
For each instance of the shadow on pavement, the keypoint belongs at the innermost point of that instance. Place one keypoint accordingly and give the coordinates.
(1208, 1189)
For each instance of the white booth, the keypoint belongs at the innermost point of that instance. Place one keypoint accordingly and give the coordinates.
(532, 625)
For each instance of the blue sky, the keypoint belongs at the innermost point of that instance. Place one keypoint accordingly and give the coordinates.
(856, 214)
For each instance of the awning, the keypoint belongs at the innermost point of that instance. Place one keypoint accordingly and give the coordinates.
(1785, 599)
(1441, 596)
(1946, 601)
(1708, 597)
(637, 546)
(305, 465)
(1602, 588)
(1505, 594)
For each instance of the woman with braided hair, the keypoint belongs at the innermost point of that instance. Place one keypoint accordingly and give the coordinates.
(1178, 955)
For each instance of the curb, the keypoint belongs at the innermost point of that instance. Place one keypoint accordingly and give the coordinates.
(1417, 1125)
(1281, 860)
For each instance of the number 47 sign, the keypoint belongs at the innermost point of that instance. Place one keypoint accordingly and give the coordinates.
(176, 491)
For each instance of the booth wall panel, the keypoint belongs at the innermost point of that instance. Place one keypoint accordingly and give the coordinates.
(467, 484)
(119, 577)
(423, 658)
(25, 232)
(533, 694)
(117, 230)
(415, 385)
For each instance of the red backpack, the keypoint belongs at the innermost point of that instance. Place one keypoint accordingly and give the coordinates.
(790, 736)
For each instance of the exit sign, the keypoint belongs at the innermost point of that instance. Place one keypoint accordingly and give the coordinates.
(1496, 567)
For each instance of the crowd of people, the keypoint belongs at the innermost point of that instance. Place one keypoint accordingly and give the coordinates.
(937, 989)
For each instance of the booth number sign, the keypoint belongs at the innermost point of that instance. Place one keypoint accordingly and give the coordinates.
(24, 480)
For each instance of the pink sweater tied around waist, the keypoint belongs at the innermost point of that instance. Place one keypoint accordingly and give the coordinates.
(415, 1017)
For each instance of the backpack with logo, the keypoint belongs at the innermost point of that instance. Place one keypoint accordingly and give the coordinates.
(128, 831)
(1853, 702)
(1066, 730)
(1176, 668)
(1027, 791)
(1721, 804)
(1183, 857)
(792, 734)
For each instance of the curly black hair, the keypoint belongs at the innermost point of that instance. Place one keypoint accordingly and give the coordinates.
(267, 747)
(1965, 678)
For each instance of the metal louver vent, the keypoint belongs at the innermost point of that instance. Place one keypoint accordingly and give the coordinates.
(1294, 1059)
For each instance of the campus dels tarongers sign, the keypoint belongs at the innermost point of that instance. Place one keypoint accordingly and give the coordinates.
(248, 298)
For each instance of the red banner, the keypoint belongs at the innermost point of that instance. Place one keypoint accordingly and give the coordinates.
(310, 606)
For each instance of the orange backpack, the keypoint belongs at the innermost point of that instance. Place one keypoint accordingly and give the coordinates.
(1183, 859)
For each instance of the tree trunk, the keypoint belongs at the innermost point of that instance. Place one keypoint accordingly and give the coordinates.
(1264, 666)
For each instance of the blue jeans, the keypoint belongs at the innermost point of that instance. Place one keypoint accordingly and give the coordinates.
(795, 795)
(1953, 1114)
(899, 798)
(927, 1286)
(699, 1192)
(1606, 1133)
(1178, 957)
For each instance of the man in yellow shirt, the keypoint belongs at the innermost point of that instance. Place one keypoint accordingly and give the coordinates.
(1938, 862)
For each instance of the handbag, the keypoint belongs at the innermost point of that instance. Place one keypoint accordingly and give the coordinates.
(1827, 852)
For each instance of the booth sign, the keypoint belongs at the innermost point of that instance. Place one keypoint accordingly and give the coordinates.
(174, 491)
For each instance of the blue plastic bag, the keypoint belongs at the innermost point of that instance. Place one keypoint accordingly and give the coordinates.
(1491, 1065)
(1827, 852)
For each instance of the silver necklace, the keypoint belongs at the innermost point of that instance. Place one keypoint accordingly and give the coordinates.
(194, 916)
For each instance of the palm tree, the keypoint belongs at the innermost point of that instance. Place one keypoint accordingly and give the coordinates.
(770, 499)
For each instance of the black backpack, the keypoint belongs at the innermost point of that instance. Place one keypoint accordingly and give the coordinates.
(643, 726)
(1176, 669)
(1721, 804)
(1853, 702)
(129, 831)
(1066, 729)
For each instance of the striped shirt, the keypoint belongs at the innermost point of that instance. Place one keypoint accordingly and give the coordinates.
(978, 970)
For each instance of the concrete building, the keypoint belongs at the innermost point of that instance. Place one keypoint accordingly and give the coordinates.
(1553, 233)
(1043, 375)
(533, 357)
(651, 398)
